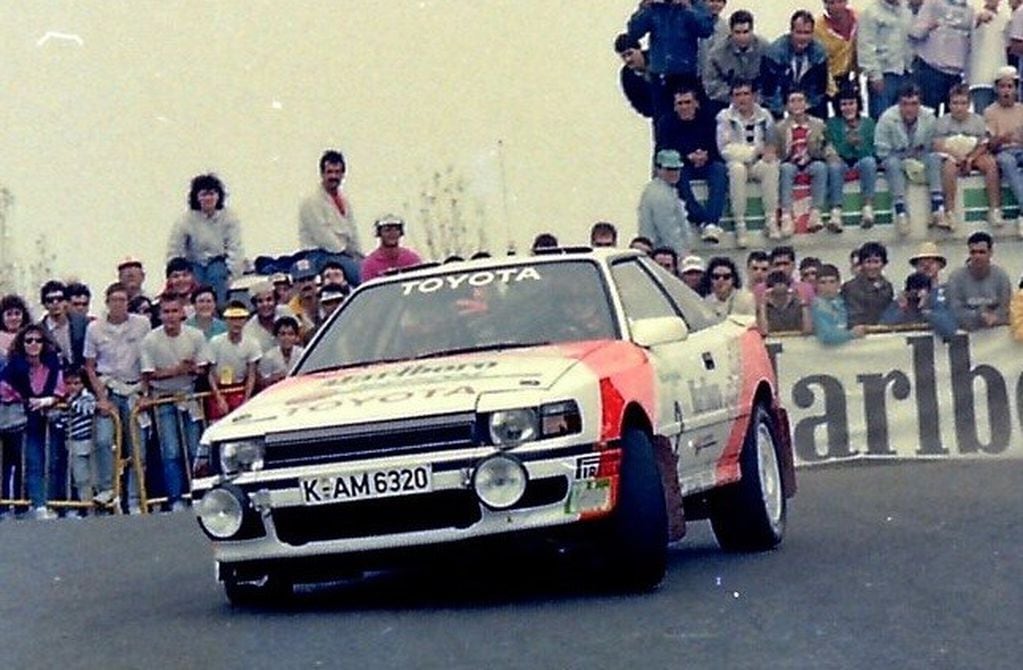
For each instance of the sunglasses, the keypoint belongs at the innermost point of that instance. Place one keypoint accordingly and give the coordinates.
(33, 340)
(53, 298)
(721, 275)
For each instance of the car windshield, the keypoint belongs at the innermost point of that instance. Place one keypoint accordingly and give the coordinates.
(467, 309)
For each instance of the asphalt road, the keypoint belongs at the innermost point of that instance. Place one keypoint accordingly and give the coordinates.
(914, 565)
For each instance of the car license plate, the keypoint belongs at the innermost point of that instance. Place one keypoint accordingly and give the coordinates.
(366, 484)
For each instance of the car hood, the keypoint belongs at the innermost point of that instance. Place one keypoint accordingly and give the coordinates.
(405, 389)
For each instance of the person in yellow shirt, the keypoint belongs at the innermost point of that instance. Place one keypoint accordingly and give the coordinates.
(836, 30)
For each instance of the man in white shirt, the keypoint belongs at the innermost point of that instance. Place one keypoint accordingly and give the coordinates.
(326, 224)
(233, 357)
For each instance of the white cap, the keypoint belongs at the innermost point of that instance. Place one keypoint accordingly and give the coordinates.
(1006, 72)
(692, 264)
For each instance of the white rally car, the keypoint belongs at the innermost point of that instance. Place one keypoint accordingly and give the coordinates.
(584, 394)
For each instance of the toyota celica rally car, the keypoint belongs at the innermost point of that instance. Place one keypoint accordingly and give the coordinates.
(577, 394)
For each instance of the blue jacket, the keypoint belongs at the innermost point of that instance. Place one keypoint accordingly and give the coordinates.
(830, 320)
(780, 78)
(636, 88)
(937, 314)
(674, 32)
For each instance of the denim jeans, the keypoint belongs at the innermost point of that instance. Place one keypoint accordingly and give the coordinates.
(57, 466)
(349, 265)
(896, 176)
(867, 168)
(104, 439)
(1009, 161)
(171, 424)
(888, 96)
(10, 465)
(35, 459)
(215, 274)
(818, 172)
(716, 176)
(934, 84)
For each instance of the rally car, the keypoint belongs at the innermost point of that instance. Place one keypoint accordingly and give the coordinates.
(583, 396)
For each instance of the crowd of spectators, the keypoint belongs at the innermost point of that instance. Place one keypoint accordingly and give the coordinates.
(728, 106)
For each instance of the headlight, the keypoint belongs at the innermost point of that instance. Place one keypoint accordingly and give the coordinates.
(513, 426)
(221, 513)
(500, 481)
(245, 456)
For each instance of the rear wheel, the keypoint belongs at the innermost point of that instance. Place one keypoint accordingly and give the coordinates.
(750, 514)
(636, 539)
(268, 591)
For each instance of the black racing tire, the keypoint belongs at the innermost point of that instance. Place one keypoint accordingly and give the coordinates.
(635, 542)
(272, 590)
(750, 514)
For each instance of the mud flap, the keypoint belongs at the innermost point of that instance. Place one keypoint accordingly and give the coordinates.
(667, 464)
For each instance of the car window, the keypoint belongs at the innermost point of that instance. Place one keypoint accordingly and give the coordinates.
(464, 309)
(693, 308)
(641, 297)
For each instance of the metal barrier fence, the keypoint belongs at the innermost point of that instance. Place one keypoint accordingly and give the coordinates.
(15, 480)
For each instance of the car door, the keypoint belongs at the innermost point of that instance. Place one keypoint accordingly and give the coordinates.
(691, 376)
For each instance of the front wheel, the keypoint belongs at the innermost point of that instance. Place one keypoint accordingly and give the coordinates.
(749, 515)
(635, 542)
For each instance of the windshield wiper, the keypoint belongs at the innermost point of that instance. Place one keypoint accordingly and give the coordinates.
(489, 346)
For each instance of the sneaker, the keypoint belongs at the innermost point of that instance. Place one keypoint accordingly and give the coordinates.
(937, 218)
(43, 513)
(867, 217)
(788, 226)
(994, 217)
(949, 223)
(134, 508)
(178, 506)
(902, 223)
(835, 220)
(711, 233)
(741, 238)
(813, 224)
(104, 497)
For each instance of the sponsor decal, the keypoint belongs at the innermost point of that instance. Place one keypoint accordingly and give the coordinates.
(470, 369)
(474, 279)
(586, 467)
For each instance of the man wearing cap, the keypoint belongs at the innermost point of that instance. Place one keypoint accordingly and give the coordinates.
(260, 326)
(690, 132)
(1004, 119)
(662, 215)
(979, 293)
(113, 346)
(692, 271)
(233, 359)
(929, 262)
(389, 254)
(282, 287)
(305, 304)
(326, 225)
(132, 276)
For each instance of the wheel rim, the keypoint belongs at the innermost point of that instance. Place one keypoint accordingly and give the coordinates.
(770, 478)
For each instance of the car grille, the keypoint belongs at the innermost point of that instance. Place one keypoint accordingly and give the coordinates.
(369, 440)
(404, 514)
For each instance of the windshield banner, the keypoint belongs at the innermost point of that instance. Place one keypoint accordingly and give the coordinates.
(903, 395)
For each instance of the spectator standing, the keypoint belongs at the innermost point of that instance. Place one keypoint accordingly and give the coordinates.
(980, 292)
(204, 306)
(782, 310)
(757, 266)
(828, 312)
(546, 241)
(738, 57)
(15, 316)
(389, 254)
(78, 419)
(797, 61)
(1004, 119)
(78, 297)
(723, 289)
(718, 33)
(132, 275)
(113, 349)
(277, 361)
(941, 32)
(836, 31)
(326, 222)
(181, 283)
(667, 258)
(634, 76)
(914, 306)
(783, 259)
(809, 272)
(65, 328)
(209, 236)
(692, 271)
(850, 134)
(960, 139)
(674, 27)
(690, 132)
(903, 141)
(173, 357)
(603, 234)
(305, 305)
(803, 149)
(868, 294)
(746, 137)
(639, 243)
(884, 51)
(662, 215)
(260, 326)
(988, 44)
(233, 361)
(33, 379)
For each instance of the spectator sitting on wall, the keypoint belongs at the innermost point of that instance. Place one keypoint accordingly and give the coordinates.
(1004, 119)
(326, 223)
(803, 149)
(851, 137)
(868, 294)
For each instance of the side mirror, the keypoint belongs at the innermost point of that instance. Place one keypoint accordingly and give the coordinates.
(659, 330)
